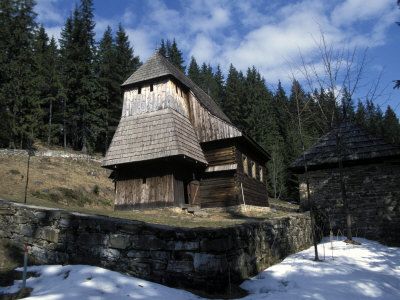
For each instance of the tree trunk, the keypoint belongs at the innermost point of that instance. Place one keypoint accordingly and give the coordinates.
(64, 124)
(50, 119)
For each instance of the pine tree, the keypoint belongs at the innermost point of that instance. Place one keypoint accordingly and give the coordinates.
(172, 53)
(82, 89)
(163, 48)
(207, 82)
(219, 91)
(126, 61)
(280, 106)
(194, 71)
(175, 56)
(17, 85)
(7, 11)
(108, 81)
(67, 70)
(360, 115)
(47, 84)
(391, 126)
(234, 93)
(347, 112)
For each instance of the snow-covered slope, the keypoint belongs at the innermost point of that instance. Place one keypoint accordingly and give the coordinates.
(368, 271)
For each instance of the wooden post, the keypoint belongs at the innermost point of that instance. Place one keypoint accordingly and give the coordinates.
(244, 203)
(27, 176)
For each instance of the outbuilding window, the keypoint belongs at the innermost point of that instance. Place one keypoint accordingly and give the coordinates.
(139, 90)
(151, 87)
(245, 165)
(261, 174)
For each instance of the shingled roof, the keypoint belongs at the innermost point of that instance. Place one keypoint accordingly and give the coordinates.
(158, 66)
(358, 145)
(159, 134)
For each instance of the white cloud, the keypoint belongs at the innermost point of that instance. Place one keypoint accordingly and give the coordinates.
(213, 19)
(351, 11)
(48, 12)
(142, 42)
(204, 49)
(268, 35)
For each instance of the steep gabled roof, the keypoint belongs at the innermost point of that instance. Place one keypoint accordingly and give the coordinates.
(357, 144)
(158, 66)
(159, 134)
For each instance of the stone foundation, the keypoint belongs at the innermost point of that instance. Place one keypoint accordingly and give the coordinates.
(201, 258)
(374, 197)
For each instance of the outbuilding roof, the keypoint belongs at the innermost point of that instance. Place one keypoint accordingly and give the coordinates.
(158, 134)
(357, 145)
(158, 66)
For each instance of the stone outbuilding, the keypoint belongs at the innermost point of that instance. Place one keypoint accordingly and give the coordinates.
(372, 182)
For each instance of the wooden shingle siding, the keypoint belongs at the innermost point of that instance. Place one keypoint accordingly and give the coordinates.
(158, 66)
(207, 126)
(163, 96)
(153, 135)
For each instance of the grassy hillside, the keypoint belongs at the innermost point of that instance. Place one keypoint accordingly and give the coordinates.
(83, 186)
(56, 181)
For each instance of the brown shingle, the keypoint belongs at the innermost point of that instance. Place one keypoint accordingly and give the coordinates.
(153, 135)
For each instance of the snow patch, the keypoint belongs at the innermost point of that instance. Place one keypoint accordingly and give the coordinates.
(366, 271)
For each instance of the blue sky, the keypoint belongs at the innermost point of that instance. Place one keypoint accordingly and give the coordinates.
(268, 34)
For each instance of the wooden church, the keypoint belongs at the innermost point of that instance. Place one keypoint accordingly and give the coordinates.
(174, 146)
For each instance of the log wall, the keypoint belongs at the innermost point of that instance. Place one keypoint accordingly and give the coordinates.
(219, 189)
(222, 184)
(254, 190)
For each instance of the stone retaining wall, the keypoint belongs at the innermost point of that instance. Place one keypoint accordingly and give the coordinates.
(200, 258)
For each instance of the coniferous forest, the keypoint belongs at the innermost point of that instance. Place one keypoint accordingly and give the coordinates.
(67, 92)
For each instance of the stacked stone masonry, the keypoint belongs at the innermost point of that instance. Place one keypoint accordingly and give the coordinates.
(373, 191)
(202, 258)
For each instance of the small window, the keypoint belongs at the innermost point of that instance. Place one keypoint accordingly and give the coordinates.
(181, 93)
(176, 89)
(139, 90)
(151, 87)
(245, 165)
(144, 180)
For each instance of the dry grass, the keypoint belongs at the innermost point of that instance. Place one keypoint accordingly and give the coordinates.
(60, 181)
(84, 186)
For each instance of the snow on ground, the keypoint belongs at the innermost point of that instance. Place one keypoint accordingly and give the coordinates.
(367, 271)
